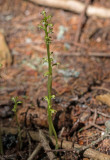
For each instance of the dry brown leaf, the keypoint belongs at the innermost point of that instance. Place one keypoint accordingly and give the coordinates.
(104, 99)
(5, 55)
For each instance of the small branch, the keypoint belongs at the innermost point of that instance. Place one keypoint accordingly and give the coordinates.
(95, 116)
(89, 54)
(74, 127)
(100, 88)
(60, 150)
(82, 21)
(35, 152)
(75, 6)
(96, 126)
(103, 114)
(29, 141)
(46, 145)
(35, 43)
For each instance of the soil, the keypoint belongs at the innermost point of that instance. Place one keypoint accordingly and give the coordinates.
(81, 81)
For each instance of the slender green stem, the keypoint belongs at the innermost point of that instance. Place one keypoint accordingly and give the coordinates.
(54, 132)
(1, 145)
(16, 102)
(19, 132)
(48, 29)
(51, 126)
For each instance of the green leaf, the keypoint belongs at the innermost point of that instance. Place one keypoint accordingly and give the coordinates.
(46, 74)
(19, 102)
(51, 25)
(50, 30)
(14, 108)
(49, 17)
(51, 59)
(43, 13)
(14, 99)
(52, 111)
(53, 96)
(45, 60)
(41, 27)
(55, 64)
(46, 98)
(51, 53)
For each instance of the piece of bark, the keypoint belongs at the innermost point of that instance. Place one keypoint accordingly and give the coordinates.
(5, 55)
(75, 6)
(95, 155)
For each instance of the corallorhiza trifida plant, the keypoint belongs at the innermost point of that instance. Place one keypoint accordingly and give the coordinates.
(47, 26)
(16, 102)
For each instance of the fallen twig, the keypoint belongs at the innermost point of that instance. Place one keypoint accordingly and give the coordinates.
(29, 141)
(75, 6)
(82, 21)
(46, 145)
(54, 41)
(100, 88)
(96, 126)
(95, 116)
(89, 54)
(35, 152)
(103, 114)
(60, 150)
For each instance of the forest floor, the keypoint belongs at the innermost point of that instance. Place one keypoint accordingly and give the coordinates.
(81, 82)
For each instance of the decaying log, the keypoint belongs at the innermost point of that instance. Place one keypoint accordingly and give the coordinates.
(75, 6)
(89, 153)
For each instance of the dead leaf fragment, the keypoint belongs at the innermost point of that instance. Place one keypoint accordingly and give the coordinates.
(5, 55)
(104, 99)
